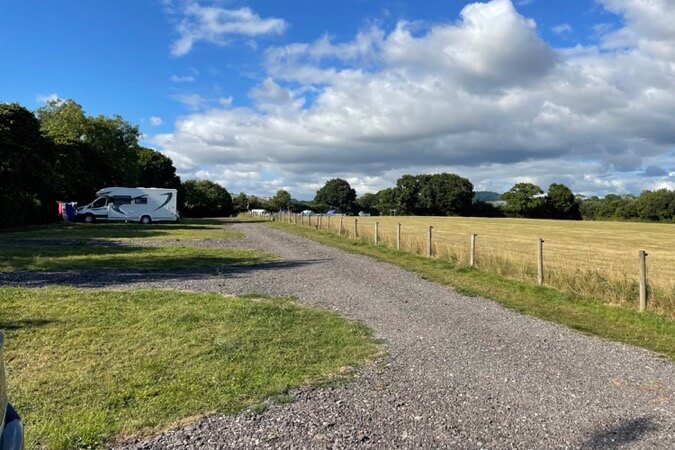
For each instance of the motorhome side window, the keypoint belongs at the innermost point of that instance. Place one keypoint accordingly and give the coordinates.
(100, 202)
(121, 199)
(141, 201)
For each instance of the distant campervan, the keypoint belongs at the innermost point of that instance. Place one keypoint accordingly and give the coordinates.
(131, 204)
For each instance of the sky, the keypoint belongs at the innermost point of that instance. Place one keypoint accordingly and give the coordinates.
(266, 95)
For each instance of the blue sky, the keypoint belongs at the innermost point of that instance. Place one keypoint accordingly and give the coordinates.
(263, 95)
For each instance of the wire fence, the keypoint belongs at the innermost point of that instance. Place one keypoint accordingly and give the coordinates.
(586, 259)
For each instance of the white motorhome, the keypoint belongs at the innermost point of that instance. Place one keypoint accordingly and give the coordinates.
(131, 204)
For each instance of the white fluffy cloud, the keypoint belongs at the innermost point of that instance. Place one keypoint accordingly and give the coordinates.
(484, 96)
(218, 26)
(155, 121)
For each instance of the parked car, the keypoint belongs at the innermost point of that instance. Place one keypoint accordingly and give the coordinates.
(307, 212)
(334, 212)
(364, 214)
(11, 428)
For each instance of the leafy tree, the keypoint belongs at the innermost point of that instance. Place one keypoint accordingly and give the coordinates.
(408, 192)
(336, 193)
(92, 152)
(656, 206)
(281, 200)
(452, 194)
(561, 203)
(524, 200)
(26, 163)
(156, 170)
(387, 201)
(438, 194)
(368, 202)
(240, 202)
(205, 198)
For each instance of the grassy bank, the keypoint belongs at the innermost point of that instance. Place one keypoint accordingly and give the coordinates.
(647, 330)
(183, 230)
(86, 367)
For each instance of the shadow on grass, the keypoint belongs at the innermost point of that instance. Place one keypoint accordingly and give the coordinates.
(113, 277)
(622, 434)
(110, 230)
(25, 323)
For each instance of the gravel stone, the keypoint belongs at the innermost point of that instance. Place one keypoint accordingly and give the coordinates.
(460, 372)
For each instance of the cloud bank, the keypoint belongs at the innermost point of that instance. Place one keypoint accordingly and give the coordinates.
(484, 96)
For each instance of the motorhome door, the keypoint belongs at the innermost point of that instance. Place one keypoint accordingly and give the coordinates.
(99, 208)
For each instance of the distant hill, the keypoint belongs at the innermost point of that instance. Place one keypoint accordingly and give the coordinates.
(486, 196)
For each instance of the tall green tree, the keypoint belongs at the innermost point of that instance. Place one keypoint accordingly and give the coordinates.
(452, 194)
(281, 200)
(524, 200)
(205, 198)
(240, 202)
(561, 203)
(441, 194)
(387, 202)
(408, 191)
(336, 193)
(26, 164)
(368, 202)
(92, 152)
(656, 206)
(156, 169)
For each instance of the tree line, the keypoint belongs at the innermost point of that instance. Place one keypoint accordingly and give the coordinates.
(59, 153)
(447, 194)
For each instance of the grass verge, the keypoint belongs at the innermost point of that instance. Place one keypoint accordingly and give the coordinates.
(647, 330)
(85, 367)
(183, 230)
(83, 257)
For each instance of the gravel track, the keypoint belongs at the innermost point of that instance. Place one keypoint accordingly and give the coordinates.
(461, 372)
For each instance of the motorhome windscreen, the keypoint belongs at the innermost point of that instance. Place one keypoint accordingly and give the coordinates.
(99, 202)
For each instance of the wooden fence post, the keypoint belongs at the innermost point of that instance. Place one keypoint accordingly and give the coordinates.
(340, 233)
(377, 226)
(472, 255)
(540, 261)
(328, 223)
(643, 280)
(398, 236)
(319, 225)
(356, 228)
(430, 250)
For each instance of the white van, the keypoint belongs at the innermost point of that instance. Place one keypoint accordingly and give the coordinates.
(131, 204)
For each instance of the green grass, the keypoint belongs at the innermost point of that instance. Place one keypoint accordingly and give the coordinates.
(87, 367)
(82, 257)
(184, 230)
(591, 316)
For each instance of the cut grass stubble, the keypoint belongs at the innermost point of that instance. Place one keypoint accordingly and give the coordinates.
(86, 367)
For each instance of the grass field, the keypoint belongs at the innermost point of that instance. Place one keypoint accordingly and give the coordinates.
(87, 257)
(593, 259)
(86, 367)
(184, 230)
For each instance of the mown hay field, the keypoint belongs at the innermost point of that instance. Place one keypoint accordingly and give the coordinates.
(595, 259)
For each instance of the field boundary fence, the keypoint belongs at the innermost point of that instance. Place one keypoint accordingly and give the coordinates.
(616, 276)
